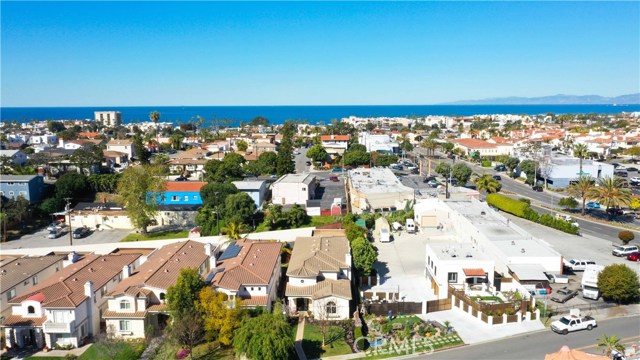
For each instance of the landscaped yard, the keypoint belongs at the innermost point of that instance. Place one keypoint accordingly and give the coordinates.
(334, 341)
(161, 235)
(314, 221)
(133, 352)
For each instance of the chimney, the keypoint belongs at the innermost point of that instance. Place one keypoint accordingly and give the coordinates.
(88, 289)
(347, 259)
(211, 253)
(72, 258)
(126, 271)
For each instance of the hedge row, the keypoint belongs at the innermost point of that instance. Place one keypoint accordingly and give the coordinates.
(522, 209)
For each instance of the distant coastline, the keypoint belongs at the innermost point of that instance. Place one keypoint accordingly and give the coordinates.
(312, 114)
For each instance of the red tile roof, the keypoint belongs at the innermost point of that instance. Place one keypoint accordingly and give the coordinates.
(253, 265)
(335, 137)
(474, 272)
(17, 320)
(185, 185)
(474, 143)
(117, 314)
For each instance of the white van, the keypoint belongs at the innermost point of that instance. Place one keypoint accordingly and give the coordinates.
(384, 235)
(410, 226)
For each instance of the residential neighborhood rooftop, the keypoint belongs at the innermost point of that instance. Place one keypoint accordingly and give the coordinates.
(16, 270)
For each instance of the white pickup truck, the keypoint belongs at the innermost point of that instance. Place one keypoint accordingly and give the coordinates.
(573, 322)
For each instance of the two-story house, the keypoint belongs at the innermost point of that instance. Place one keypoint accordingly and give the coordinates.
(257, 190)
(65, 308)
(182, 193)
(138, 301)
(18, 275)
(249, 271)
(16, 156)
(335, 144)
(320, 276)
(122, 146)
(294, 189)
(31, 187)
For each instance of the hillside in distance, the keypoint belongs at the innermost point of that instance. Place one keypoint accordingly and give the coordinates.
(554, 100)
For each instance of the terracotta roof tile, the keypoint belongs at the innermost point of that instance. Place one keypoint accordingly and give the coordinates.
(17, 270)
(335, 137)
(322, 289)
(256, 301)
(117, 314)
(311, 255)
(17, 320)
(194, 186)
(474, 143)
(253, 265)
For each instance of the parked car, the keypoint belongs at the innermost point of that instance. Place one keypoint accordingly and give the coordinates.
(54, 226)
(337, 169)
(181, 178)
(578, 264)
(632, 169)
(334, 178)
(500, 168)
(429, 178)
(434, 184)
(635, 179)
(624, 250)
(497, 177)
(615, 211)
(593, 205)
(537, 188)
(634, 256)
(415, 171)
(54, 234)
(308, 163)
(557, 278)
(80, 232)
(621, 173)
(563, 295)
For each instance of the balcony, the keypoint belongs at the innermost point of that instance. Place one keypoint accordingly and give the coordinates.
(59, 328)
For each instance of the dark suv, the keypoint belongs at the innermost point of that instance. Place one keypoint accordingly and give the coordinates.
(537, 188)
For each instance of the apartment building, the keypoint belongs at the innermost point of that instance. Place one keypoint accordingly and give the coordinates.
(108, 118)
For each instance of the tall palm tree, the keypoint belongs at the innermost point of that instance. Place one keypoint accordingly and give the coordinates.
(234, 230)
(487, 184)
(610, 343)
(580, 151)
(583, 188)
(611, 193)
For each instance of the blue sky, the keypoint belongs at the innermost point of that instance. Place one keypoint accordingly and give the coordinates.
(289, 53)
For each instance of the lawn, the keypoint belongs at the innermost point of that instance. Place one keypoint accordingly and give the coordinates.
(335, 343)
(425, 345)
(133, 352)
(491, 298)
(162, 235)
(404, 320)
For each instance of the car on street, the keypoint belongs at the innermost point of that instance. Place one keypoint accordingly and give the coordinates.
(336, 169)
(334, 178)
(308, 163)
(497, 177)
(500, 168)
(80, 232)
(537, 188)
(429, 178)
(434, 184)
(635, 179)
(621, 173)
(395, 167)
(593, 205)
(415, 171)
(634, 256)
(615, 211)
(563, 295)
(634, 169)
(567, 324)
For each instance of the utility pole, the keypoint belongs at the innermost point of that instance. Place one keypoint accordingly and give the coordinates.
(68, 210)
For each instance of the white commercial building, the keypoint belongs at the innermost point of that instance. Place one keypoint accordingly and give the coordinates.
(561, 171)
(378, 143)
(108, 118)
(376, 190)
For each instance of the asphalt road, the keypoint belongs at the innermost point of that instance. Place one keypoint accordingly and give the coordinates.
(536, 345)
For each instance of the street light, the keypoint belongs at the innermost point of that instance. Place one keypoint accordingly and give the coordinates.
(215, 211)
(68, 211)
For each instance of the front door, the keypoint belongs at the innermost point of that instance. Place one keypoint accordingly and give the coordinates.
(301, 304)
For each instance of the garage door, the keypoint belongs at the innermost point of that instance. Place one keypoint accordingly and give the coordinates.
(428, 220)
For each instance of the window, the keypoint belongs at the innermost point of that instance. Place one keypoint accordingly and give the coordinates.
(186, 198)
(22, 193)
(331, 307)
(162, 295)
(11, 294)
(435, 270)
(31, 310)
(175, 198)
(259, 289)
(35, 280)
(452, 277)
(252, 288)
(195, 197)
(11, 193)
(125, 325)
(304, 189)
(125, 305)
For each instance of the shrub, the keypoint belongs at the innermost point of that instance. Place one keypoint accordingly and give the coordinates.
(568, 203)
(486, 163)
(626, 236)
(510, 311)
(498, 313)
(526, 200)
(509, 205)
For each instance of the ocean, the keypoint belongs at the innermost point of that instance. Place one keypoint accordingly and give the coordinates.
(310, 114)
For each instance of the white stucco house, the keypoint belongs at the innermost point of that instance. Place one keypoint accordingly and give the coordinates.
(320, 276)
(65, 309)
(294, 189)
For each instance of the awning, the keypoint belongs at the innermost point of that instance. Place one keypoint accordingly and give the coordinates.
(528, 271)
(474, 272)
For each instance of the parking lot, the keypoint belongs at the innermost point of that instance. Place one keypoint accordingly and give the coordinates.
(328, 189)
(39, 239)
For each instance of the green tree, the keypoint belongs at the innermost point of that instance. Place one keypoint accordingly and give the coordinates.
(208, 219)
(187, 330)
(511, 163)
(139, 190)
(364, 255)
(611, 193)
(87, 156)
(242, 145)
(140, 150)
(266, 337)
(356, 147)
(443, 169)
(430, 145)
(583, 188)
(626, 236)
(284, 163)
(259, 121)
(618, 282)
(633, 151)
(568, 203)
(107, 183)
(447, 146)
(55, 126)
(356, 158)
(274, 216)
(383, 159)
(267, 162)
(176, 140)
(155, 117)
(529, 168)
(234, 230)
(609, 343)
(71, 185)
(487, 184)
(296, 216)
(239, 208)
(406, 145)
(580, 151)
(214, 194)
(229, 169)
(317, 153)
(461, 172)
(183, 296)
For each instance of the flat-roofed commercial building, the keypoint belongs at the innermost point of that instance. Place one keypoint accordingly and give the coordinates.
(376, 190)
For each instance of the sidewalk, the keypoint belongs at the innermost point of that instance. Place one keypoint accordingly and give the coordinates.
(299, 337)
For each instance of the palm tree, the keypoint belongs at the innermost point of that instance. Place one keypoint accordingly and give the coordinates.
(487, 183)
(611, 193)
(610, 343)
(580, 151)
(583, 188)
(234, 230)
